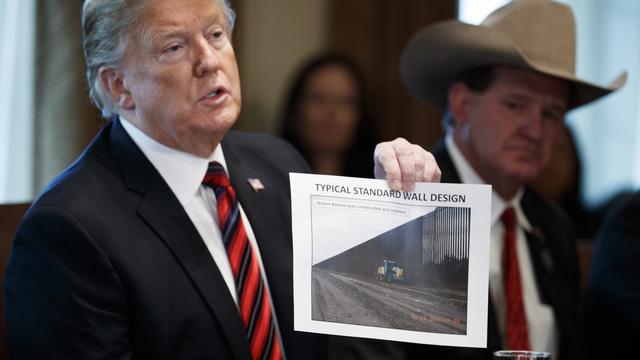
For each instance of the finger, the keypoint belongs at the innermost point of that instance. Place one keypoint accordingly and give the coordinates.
(386, 165)
(431, 171)
(406, 161)
(420, 161)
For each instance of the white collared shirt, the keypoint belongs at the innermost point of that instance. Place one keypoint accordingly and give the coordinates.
(183, 172)
(540, 318)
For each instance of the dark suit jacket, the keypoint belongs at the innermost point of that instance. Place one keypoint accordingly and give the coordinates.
(107, 264)
(611, 315)
(554, 257)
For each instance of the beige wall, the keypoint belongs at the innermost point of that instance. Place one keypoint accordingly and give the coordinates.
(272, 39)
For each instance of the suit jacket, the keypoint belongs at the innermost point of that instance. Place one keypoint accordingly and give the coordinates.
(107, 264)
(611, 315)
(555, 265)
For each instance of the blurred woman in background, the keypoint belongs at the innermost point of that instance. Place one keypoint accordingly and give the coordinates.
(325, 117)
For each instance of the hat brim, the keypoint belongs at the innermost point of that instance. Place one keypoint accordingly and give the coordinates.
(436, 55)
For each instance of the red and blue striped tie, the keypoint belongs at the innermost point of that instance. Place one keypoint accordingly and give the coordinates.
(253, 296)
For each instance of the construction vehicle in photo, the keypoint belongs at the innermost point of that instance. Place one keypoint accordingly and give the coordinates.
(390, 271)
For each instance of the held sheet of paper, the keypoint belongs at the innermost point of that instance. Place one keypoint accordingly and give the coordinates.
(376, 263)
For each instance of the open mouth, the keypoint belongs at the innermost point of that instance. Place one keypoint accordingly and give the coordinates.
(215, 93)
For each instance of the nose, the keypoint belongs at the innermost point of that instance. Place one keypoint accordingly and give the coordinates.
(207, 60)
(534, 128)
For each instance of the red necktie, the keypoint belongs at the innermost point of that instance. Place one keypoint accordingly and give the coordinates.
(253, 297)
(517, 334)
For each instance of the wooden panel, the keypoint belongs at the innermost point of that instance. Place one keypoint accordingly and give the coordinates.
(10, 216)
(374, 33)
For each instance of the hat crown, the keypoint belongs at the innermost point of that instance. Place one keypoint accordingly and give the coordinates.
(539, 35)
(543, 30)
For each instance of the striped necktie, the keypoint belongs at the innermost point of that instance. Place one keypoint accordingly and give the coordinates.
(517, 333)
(253, 297)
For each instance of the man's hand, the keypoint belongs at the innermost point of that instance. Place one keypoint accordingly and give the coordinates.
(403, 164)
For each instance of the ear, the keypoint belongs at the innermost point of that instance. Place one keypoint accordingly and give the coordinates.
(114, 84)
(459, 100)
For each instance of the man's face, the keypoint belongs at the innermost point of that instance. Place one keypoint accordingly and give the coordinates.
(508, 131)
(180, 72)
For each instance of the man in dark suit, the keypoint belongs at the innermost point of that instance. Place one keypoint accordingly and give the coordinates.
(169, 238)
(505, 87)
(611, 313)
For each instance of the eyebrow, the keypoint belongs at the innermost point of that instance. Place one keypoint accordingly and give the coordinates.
(153, 35)
(559, 108)
(555, 106)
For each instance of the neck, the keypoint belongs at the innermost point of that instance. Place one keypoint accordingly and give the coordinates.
(201, 143)
(327, 164)
(505, 190)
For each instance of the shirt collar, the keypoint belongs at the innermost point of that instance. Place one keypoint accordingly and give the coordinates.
(183, 172)
(469, 176)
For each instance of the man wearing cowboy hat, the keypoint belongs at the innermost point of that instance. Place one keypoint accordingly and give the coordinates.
(505, 86)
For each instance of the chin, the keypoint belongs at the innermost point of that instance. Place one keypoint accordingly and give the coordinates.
(525, 172)
(218, 122)
(526, 177)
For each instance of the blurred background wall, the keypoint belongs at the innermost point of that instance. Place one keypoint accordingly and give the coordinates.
(272, 39)
(275, 37)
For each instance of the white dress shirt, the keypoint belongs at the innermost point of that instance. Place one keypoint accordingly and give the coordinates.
(183, 172)
(540, 318)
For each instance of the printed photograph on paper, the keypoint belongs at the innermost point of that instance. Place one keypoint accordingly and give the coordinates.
(404, 266)
(413, 276)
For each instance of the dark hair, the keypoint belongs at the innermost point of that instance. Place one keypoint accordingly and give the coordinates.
(480, 78)
(477, 79)
(359, 157)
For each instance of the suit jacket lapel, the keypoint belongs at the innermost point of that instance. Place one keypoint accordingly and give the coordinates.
(166, 216)
(548, 283)
(260, 207)
(269, 214)
(539, 249)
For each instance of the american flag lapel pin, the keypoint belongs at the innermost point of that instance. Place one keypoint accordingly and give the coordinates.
(256, 184)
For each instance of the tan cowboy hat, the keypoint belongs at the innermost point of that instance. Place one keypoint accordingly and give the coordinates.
(532, 34)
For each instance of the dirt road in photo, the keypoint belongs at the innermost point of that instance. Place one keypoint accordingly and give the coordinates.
(351, 299)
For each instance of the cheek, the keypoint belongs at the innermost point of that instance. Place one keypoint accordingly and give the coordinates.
(158, 88)
(349, 118)
(310, 117)
(550, 139)
(488, 140)
(546, 151)
(349, 125)
(232, 72)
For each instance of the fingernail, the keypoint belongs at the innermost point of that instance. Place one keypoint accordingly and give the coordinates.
(396, 185)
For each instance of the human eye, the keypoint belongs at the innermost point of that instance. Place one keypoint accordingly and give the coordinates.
(172, 49)
(218, 34)
(348, 101)
(315, 98)
(553, 116)
(217, 38)
(513, 104)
